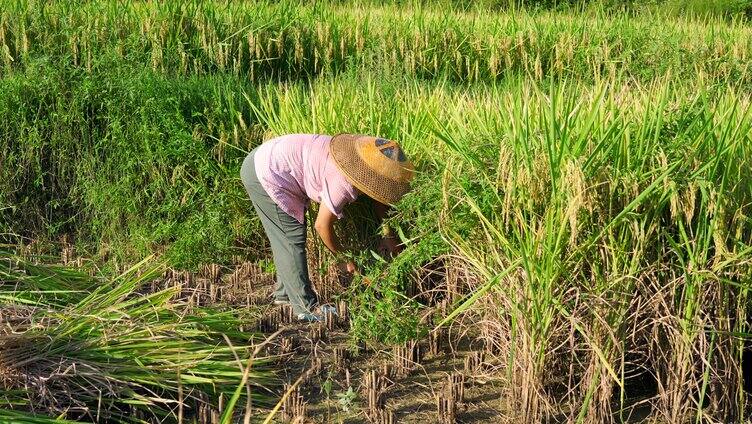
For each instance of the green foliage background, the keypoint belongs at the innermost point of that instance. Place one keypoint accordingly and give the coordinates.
(126, 125)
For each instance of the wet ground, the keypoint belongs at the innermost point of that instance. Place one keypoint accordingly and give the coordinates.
(446, 377)
(410, 379)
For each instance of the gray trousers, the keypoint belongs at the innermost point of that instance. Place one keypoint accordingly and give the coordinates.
(287, 237)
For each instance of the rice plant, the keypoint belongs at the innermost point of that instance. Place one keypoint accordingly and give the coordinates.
(588, 173)
(289, 40)
(609, 237)
(109, 353)
(603, 221)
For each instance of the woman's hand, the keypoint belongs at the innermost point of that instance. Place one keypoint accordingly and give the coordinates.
(389, 246)
(345, 272)
(350, 267)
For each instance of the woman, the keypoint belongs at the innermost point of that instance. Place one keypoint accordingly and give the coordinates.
(284, 174)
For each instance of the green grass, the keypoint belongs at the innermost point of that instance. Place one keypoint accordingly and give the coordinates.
(588, 174)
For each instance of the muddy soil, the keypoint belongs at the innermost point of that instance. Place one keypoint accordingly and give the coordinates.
(334, 387)
(443, 378)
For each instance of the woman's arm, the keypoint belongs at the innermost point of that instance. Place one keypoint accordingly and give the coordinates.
(324, 226)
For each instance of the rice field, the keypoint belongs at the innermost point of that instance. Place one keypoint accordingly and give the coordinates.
(578, 241)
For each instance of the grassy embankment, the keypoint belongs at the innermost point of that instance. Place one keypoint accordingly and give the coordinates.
(590, 173)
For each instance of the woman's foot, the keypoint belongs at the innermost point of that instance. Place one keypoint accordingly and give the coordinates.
(323, 309)
(310, 317)
(318, 315)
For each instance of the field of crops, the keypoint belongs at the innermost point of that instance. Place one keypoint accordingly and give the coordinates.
(578, 240)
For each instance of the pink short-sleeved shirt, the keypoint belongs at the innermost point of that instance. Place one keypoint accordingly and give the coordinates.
(297, 168)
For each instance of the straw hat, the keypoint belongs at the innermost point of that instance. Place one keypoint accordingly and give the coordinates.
(375, 166)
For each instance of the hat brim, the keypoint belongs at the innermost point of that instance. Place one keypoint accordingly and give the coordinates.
(361, 175)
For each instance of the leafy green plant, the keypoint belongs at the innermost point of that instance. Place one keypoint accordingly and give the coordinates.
(347, 399)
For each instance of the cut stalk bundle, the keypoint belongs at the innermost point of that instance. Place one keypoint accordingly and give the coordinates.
(456, 387)
(473, 363)
(212, 272)
(438, 341)
(384, 416)
(268, 323)
(446, 408)
(330, 320)
(318, 333)
(374, 385)
(286, 346)
(344, 315)
(447, 399)
(139, 351)
(340, 358)
(294, 407)
(406, 357)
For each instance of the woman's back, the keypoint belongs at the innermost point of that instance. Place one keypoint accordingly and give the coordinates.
(296, 168)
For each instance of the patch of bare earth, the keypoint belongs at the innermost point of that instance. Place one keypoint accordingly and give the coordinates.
(330, 380)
